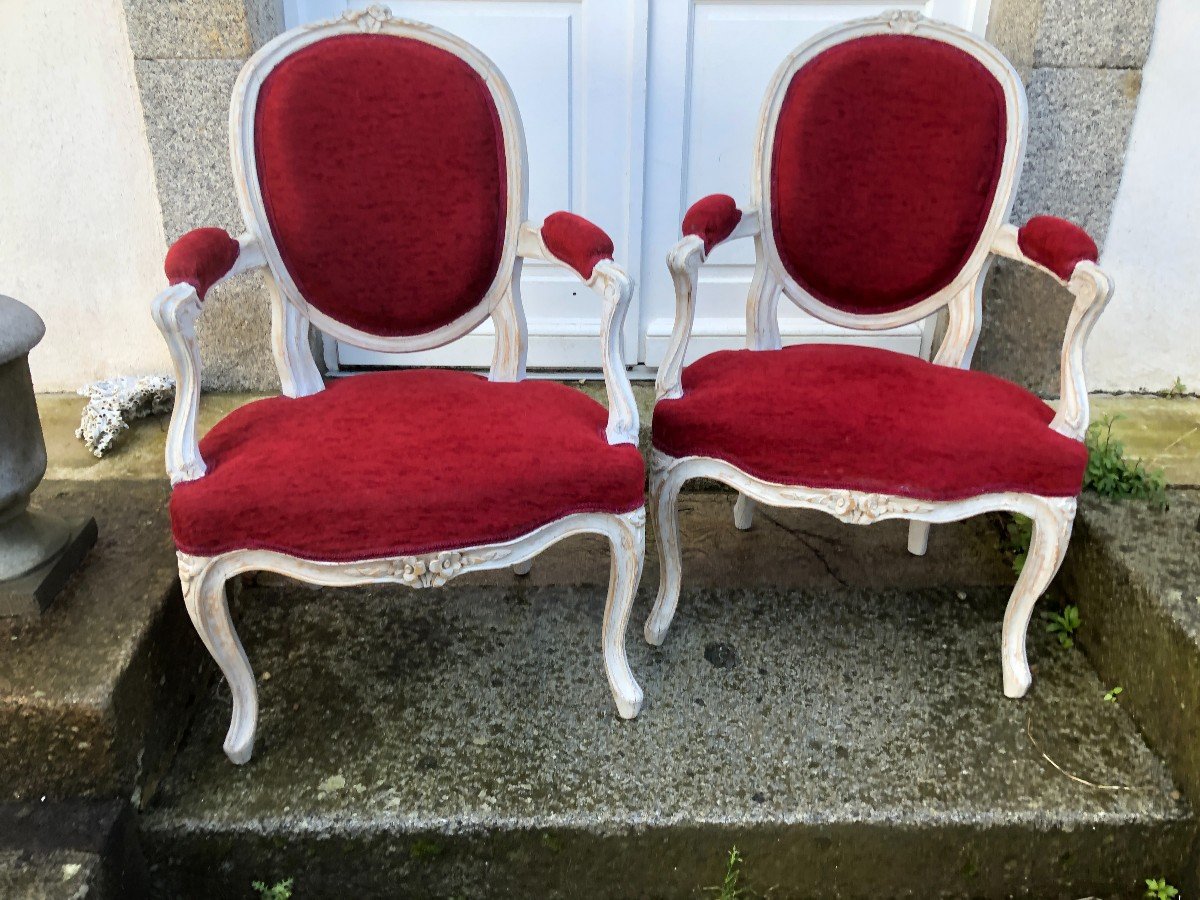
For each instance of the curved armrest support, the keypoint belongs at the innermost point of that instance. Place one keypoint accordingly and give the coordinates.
(196, 262)
(575, 243)
(708, 223)
(1092, 289)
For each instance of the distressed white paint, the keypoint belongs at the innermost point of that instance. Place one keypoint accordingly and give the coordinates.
(1151, 333)
(82, 240)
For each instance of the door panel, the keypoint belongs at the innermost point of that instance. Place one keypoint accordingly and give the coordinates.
(582, 105)
(710, 64)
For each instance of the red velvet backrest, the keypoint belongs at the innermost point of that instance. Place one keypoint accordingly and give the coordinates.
(382, 169)
(883, 169)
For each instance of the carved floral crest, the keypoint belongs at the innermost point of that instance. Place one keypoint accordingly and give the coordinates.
(371, 19)
(904, 21)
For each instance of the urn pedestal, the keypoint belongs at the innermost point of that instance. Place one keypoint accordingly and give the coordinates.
(38, 552)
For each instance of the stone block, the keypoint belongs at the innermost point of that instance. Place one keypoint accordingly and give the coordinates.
(235, 336)
(1080, 121)
(1095, 34)
(201, 29)
(186, 106)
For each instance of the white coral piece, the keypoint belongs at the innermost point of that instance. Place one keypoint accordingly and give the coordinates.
(115, 402)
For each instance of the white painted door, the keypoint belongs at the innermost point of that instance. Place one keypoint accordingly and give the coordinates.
(578, 74)
(632, 110)
(710, 62)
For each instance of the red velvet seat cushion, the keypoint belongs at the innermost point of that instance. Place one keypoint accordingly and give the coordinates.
(402, 462)
(886, 157)
(829, 416)
(382, 167)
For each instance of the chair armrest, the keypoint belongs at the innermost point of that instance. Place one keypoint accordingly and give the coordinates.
(1064, 251)
(707, 224)
(194, 263)
(575, 243)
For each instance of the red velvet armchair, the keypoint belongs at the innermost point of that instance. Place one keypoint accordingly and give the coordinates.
(381, 170)
(887, 156)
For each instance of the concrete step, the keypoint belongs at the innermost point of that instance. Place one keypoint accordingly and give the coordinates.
(1135, 575)
(834, 715)
(70, 849)
(94, 694)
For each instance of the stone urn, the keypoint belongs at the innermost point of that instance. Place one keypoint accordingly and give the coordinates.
(38, 551)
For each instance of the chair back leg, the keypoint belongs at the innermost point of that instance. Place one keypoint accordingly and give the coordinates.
(1053, 519)
(918, 538)
(743, 513)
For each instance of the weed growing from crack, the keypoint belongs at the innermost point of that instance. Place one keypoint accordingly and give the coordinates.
(1158, 889)
(281, 890)
(1064, 625)
(1111, 474)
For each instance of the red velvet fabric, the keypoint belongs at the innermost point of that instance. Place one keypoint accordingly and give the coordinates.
(402, 462)
(836, 416)
(885, 163)
(381, 162)
(576, 241)
(1057, 244)
(201, 258)
(712, 219)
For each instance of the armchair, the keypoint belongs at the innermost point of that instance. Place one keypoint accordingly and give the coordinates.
(887, 156)
(380, 166)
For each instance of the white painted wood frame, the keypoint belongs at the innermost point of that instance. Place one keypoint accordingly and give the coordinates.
(176, 309)
(1052, 516)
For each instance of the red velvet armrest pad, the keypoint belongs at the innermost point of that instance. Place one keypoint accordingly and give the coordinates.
(201, 258)
(576, 241)
(712, 219)
(1057, 244)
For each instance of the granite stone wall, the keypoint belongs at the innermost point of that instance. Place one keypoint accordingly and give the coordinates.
(187, 55)
(1081, 61)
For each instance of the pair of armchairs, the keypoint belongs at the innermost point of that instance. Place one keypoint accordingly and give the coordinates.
(380, 167)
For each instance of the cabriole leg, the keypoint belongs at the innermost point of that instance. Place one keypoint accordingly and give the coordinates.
(628, 542)
(664, 497)
(204, 596)
(918, 538)
(743, 512)
(1051, 531)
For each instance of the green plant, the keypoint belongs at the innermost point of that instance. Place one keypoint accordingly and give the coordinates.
(1064, 625)
(729, 890)
(1158, 889)
(422, 848)
(1018, 533)
(1111, 695)
(1177, 389)
(1110, 474)
(281, 890)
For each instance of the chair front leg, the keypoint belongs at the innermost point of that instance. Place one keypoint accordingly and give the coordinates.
(627, 539)
(204, 596)
(664, 499)
(1052, 519)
